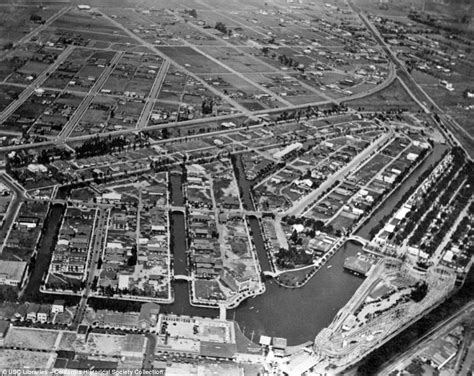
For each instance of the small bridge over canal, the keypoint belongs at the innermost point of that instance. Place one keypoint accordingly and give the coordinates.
(358, 239)
(182, 277)
(180, 209)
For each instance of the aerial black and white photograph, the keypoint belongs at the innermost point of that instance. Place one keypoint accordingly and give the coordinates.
(237, 187)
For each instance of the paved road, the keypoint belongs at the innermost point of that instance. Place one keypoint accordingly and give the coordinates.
(447, 237)
(84, 105)
(165, 57)
(34, 85)
(149, 355)
(299, 206)
(244, 111)
(150, 101)
(36, 31)
(422, 98)
(13, 208)
(99, 232)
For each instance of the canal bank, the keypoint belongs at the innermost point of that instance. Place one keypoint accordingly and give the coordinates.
(296, 314)
(176, 188)
(390, 202)
(178, 243)
(43, 257)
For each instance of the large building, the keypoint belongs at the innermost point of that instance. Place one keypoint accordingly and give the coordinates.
(12, 273)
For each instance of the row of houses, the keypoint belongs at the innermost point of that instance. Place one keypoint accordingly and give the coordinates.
(71, 252)
(33, 312)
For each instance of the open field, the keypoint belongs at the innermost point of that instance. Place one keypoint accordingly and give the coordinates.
(31, 338)
(192, 60)
(20, 359)
(392, 97)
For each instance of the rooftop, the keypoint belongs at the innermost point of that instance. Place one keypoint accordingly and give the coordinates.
(13, 270)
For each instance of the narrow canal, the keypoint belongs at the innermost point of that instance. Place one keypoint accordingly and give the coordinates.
(176, 182)
(178, 243)
(43, 258)
(259, 245)
(247, 201)
(177, 225)
(387, 207)
(244, 184)
(296, 314)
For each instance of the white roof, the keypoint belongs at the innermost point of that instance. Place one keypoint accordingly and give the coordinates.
(112, 196)
(402, 212)
(298, 228)
(12, 270)
(33, 167)
(413, 251)
(114, 245)
(288, 149)
(448, 256)
(389, 227)
(412, 156)
(265, 340)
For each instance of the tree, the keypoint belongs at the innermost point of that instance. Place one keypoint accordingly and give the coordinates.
(207, 106)
(35, 18)
(419, 292)
(221, 27)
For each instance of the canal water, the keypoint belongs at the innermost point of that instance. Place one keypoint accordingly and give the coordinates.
(296, 314)
(244, 184)
(177, 197)
(299, 314)
(258, 239)
(43, 258)
(433, 158)
(178, 243)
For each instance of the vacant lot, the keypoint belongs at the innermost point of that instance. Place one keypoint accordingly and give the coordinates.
(392, 97)
(31, 338)
(19, 359)
(192, 60)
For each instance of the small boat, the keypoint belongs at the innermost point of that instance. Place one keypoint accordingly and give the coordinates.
(252, 307)
(329, 266)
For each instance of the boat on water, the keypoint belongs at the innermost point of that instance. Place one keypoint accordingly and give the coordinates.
(329, 266)
(252, 307)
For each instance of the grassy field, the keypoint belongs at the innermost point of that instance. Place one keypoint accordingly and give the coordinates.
(20, 359)
(295, 278)
(392, 97)
(31, 338)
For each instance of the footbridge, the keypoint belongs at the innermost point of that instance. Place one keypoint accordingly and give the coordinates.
(181, 209)
(358, 239)
(182, 277)
(268, 273)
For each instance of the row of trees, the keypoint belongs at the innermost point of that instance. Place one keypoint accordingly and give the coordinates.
(374, 231)
(413, 218)
(292, 257)
(100, 146)
(443, 200)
